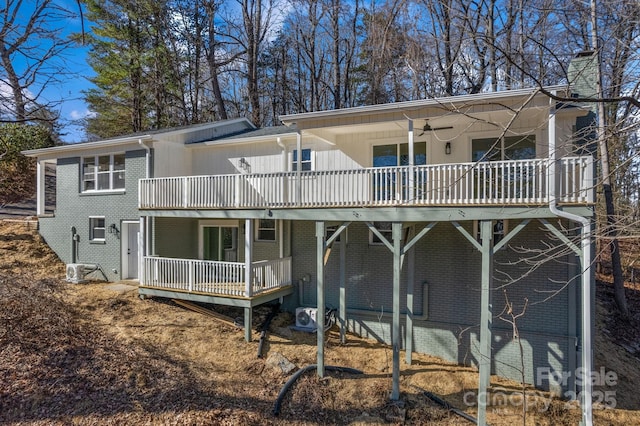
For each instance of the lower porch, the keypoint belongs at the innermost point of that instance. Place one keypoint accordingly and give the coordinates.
(215, 282)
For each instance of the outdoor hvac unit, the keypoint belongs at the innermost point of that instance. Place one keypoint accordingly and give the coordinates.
(306, 317)
(75, 273)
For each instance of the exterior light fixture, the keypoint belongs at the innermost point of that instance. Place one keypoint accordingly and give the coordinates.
(244, 164)
(113, 229)
(447, 148)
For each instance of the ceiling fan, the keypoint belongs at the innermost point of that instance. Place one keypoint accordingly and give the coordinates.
(428, 128)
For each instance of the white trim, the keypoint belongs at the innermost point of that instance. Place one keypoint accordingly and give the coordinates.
(312, 159)
(213, 223)
(96, 173)
(399, 106)
(124, 242)
(86, 146)
(257, 231)
(243, 140)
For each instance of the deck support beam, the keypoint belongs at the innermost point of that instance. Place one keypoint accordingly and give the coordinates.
(248, 274)
(142, 250)
(342, 314)
(321, 246)
(248, 320)
(411, 262)
(41, 184)
(486, 317)
(396, 234)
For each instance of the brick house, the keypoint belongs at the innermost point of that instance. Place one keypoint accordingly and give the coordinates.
(427, 214)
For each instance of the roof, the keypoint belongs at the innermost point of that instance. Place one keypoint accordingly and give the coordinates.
(408, 105)
(254, 135)
(134, 137)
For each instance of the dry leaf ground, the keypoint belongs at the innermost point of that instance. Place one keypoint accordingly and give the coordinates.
(86, 354)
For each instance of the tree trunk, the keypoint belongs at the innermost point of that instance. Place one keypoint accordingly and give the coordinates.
(213, 65)
(610, 233)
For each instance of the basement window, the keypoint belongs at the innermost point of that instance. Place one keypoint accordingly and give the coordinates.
(500, 229)
(330, 230)
(96, 228)
(266, 230)
(384, 228)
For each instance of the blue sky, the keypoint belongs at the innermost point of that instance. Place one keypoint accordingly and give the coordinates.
(73, 108)
(64, 95)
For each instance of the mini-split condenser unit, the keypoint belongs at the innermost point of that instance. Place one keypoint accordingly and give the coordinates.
(75, 273)
(307, 318)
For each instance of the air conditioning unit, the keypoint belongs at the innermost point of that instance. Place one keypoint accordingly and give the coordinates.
(75, 273)
(307, 318)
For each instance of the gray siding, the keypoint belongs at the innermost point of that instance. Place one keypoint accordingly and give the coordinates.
(74, 208)
(176, 237)
(448, 267)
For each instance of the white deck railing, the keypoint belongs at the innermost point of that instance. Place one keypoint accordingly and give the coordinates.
(520, 182)
(216, 278)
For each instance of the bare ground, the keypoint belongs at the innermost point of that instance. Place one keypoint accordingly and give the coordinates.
(85, 354)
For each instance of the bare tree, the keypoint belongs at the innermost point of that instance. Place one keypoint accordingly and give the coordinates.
(32, 44)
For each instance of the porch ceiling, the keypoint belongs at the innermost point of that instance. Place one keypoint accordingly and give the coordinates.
(438, 120)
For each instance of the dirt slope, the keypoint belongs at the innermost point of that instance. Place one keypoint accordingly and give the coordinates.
(85, 354)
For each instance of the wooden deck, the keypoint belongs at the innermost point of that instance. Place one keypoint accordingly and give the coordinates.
(501, 183)
(218, 299)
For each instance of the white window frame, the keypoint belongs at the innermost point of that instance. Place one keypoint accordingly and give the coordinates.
(310, 161)
(258, 230)
(386, 232)
(95, 173)
(94, 226)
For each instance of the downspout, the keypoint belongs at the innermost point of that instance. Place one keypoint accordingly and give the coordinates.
(284, 153)
(587, 387)
(285, 186)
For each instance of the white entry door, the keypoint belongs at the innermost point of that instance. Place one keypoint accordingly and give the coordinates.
(130, 232)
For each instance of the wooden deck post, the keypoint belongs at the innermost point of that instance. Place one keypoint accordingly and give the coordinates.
(343, 290)
(320, 248)
(486, 234)
(142, 250)
(411, 257)
(40, 188)
(248, 274)
(412, 162)
(396, 232)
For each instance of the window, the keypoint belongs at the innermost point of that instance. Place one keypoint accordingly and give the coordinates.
(330, 230)
(398, 154)
(266, 230)
(305, 160)
(96, 228)
(509, 148)
(103, 173)
(500, 229)
(384, 228)
(391, 186)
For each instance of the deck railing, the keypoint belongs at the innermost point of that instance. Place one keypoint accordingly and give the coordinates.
(518, 182)
(217, 278)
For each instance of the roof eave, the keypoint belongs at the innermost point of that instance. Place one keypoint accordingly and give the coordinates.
(61, 149)
(253, 139)
(398, 106)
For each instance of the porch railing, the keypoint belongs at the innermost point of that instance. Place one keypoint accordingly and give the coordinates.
(216, 278)
(484, 183)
